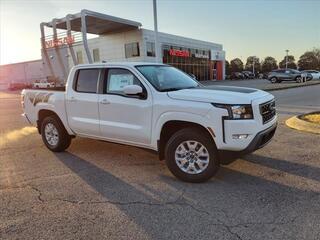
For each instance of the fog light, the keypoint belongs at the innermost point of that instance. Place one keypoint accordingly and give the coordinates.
(240, 136)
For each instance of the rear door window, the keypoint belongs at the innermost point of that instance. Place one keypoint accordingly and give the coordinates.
(87, 80)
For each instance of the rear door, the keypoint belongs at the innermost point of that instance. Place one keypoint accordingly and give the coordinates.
(82, 102)
(124, 118)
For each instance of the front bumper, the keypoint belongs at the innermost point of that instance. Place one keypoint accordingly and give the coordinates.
(260, 140)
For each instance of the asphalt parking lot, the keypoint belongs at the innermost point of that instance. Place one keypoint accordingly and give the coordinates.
(101, 190)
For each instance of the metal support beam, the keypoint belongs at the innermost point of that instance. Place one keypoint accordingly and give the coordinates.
(84, 35)
(156, 39)
(44, 49)
(57, 48)
(74, 59)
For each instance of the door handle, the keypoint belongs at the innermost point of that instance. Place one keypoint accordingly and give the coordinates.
(104, 101)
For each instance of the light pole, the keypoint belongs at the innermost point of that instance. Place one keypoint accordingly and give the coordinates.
(156, 40)
(287, 51)
(253, 62)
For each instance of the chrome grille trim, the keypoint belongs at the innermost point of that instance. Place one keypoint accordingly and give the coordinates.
(267, 111)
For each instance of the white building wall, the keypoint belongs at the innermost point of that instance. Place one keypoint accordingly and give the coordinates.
(60, 71)
(111, 47)
(170, 39)
(24, 72)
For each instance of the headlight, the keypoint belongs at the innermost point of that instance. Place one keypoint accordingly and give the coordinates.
(237, 111)
(242, 112)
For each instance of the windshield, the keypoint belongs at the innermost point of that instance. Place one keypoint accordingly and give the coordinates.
(167, 78)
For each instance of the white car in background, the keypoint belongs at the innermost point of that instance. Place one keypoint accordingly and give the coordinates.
(315, 74)
(43, 84)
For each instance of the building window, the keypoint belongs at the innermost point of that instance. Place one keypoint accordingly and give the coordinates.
(79, 57)
(96, 55)
(151, 50)
(132, 50)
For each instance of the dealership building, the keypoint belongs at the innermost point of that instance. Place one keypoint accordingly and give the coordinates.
(88, 37)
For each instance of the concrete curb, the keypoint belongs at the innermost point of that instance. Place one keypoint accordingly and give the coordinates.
(297, 123)
(288, 87)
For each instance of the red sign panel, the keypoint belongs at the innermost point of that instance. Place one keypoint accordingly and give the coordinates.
(60, 41)
(179, 53)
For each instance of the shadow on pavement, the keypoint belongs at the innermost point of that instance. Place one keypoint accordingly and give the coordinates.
(131, 201)
(215, 200)
(285, 166)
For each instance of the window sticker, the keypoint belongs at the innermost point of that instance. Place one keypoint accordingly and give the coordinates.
(118, 81)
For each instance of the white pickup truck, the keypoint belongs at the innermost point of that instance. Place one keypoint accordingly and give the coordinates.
(154, 106)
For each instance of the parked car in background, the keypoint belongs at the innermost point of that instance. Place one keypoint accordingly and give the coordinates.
(237, 75)
(43, 84)
(262, 76)
(248, 74)
(279, 75)
(315, 74)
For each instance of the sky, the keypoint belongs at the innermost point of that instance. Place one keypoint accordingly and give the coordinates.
(245, 28)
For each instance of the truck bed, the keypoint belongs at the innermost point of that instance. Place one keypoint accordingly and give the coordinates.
(59, 89)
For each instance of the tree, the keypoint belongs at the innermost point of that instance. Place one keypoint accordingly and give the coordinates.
(227, 67)
(269, 64)
(249, 64)
(236, 65)
(310, 60)
(291, 62)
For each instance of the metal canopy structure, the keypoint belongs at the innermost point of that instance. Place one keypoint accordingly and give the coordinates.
(85, 22)
(97, 23)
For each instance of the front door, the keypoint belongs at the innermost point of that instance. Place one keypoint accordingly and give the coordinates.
(124, 118)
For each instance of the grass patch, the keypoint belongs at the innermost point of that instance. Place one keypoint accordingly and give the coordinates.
(313, 118)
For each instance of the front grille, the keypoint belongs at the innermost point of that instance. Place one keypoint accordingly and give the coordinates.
(268, 111)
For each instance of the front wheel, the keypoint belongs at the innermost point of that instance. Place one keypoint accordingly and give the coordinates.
(191, 155)
(298, 79)
(54, 135)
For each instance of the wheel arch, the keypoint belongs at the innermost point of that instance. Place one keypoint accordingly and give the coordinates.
(172, 126)
(43, 113)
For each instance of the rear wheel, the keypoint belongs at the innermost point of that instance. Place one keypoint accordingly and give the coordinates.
(191, 155)
(54, 134)
(273, 80)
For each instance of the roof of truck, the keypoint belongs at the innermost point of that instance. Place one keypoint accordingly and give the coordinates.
(131, 64)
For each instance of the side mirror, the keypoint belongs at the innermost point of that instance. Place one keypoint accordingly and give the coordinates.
(132, 90)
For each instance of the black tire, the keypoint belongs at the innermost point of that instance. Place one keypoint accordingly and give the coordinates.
(64, 139)
(273, 80)
(298, 79)
(189, 134)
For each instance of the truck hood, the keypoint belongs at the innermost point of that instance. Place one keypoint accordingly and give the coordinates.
(219, 94)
